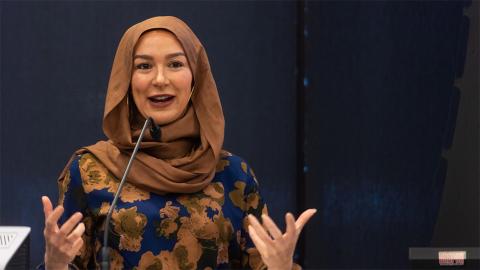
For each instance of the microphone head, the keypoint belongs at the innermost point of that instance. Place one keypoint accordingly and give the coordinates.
(154, 130)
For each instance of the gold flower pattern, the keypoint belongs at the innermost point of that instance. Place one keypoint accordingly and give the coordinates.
(129, 224)
(203, 230)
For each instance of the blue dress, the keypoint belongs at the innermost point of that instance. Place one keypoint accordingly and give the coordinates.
(203, 230)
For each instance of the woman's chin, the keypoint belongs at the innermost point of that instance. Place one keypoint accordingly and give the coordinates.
(163, 119)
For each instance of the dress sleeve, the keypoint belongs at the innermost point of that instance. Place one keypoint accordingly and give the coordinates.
(256, 206)
(73, 198)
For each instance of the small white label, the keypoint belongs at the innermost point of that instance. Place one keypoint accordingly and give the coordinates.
(6, 238)
(452, 257)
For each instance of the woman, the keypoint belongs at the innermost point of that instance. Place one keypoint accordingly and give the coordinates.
(187, 204)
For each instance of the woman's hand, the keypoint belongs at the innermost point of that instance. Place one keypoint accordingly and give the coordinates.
(275, 247)
(61, 244)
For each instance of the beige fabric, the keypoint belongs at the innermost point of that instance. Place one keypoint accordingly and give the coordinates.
(184, 159)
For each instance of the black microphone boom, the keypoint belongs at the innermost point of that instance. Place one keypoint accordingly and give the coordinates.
(105, 253)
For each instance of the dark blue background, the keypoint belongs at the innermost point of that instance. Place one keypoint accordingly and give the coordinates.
(380, 109)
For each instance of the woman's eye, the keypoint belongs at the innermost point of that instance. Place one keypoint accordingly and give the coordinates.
(176, 64)
(143, 66)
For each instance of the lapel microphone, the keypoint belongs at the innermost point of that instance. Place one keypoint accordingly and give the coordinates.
(155, 133)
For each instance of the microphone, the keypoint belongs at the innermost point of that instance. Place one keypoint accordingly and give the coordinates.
(155, 132)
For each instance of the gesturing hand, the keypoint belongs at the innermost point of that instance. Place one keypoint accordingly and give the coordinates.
(61, 244)
(275, 247)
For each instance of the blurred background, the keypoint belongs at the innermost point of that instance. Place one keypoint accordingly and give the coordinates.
(365, 110)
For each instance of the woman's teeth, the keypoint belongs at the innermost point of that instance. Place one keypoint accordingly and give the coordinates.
(161, 98)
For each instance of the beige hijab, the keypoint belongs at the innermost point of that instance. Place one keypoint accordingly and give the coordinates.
(184, 159)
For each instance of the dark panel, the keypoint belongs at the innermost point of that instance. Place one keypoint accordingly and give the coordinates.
(381, 81)
(1, 75)
(56, 60)
(458, 222)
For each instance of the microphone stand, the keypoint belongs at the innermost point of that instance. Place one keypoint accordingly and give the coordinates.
(105, 254)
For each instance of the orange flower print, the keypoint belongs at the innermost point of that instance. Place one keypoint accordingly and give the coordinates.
(168, 225)
(130, 194)
(104, 208)
(63, 187)
(244, 166)
(188, 250)
(236, 195)
(116, 260)
(129, 224)
(165, 261)
(253, 200)
(95, 176)
(221, 165)
(214, 190)
(169, 211)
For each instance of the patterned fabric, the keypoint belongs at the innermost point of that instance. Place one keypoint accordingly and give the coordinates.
(203, 230)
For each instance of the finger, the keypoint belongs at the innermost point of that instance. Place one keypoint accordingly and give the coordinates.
(304, 218)
(291, 231)
(271, 227)
(77, 233)
(68, 226)
(72, 249)
(51, 222)
(260, 230)
(259, 244)
(47, 206)
(77, 246)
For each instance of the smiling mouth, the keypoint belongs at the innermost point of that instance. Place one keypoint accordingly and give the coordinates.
(161, 99)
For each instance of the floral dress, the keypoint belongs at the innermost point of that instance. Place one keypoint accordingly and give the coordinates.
(203, 230)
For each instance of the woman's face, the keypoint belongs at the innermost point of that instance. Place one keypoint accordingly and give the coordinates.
(161, 77)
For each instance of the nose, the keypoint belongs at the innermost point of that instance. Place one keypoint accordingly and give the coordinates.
(160, 78)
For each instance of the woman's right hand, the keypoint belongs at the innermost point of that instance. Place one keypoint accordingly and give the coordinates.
(61, 243)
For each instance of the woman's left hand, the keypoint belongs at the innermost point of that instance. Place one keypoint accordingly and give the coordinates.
(277, 248)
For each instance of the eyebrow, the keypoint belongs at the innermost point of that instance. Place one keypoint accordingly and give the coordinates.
(149, 57)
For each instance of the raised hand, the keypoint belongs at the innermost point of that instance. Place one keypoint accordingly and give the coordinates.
(275, 247)
(61, 243)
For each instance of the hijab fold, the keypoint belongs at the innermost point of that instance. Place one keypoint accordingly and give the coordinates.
(185, 158)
